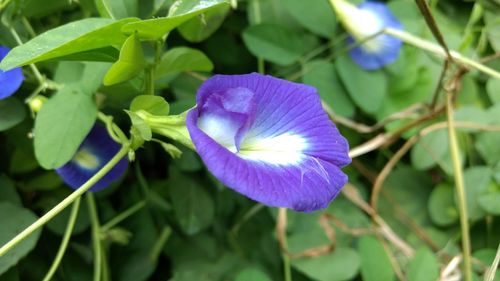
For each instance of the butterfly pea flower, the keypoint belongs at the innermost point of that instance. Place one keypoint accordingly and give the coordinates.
(95, 151)
(10, 80)
(364, 21)
(269, 139)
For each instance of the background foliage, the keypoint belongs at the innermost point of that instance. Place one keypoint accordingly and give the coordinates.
(396, 219)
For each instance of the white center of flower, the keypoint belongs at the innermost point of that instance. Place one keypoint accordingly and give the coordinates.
(284, 149)
(220, 129)
(85, 159)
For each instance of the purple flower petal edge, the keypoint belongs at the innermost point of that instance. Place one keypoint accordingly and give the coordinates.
(269, 139)
(11, 80)
(94, 152)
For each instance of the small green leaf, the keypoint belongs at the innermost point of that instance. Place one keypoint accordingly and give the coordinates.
(12, 224)
(489, 200)
(276, 43)
(432, 149)
(487, 146)
(62, 124)
(192, 204)
(441, 206)
(368, 94)
(142, 128)
(477, 180)
(493, 89)
(200, 28)
(152, 104)
(423, 266)
(180, 12)
(74, 37)
(12, 112)
(322, 75)
(341, 264)
(317, 16)
(183, 59)
(130, 63)
(375, 264)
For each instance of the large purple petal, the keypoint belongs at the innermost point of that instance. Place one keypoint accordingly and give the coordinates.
(11, 80)
(95, 151)
(290, 155)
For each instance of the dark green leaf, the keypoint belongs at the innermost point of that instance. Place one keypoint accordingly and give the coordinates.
(252, 274)
(441, 206)
(8, 191)
(477, 180)
(12, 112)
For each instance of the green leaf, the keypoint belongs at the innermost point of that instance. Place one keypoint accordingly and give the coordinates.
(252, 274)
(12, 112)
(130, 63)
(152, 104)
(489, 200)
(142, 129)
(322, 75)
(317, 16)
(423, 266)
(368, 94)
(180, 12)
(493, 89)
(375, 264)
(477, 180)
(117, 9)
(432, 149)
(192, 204)
(74, 37)
(487, 146)
(8, 191)
(12, 224)
(200, 28)
(341, 264)
(276, 43)
(493, 29)
(183, 59)
(62, 124)
(441, 206)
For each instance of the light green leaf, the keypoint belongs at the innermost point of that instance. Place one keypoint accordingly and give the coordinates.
(493, 89)
(180, 12)
(62, 124)
(74, 37)
(341, 264)
(477, 180)
(317, 16)
(368, 89)
(423, 266)
(12, 112)
(183, 59)
(130, 63)
(12, 224)
(375, 264)
(276, 43)
(117, 9)
(152, 104)
(322, 75)
(441, 205)
(142, 128)
(432, 149)
(493, 29)
(200, 28)
(489, 200)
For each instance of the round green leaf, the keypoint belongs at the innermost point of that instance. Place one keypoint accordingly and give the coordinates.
(441, 206)
(13, 221)
(423, 266)
(432, 149)
(375, 264)
(12, 112)
(490, 199)
(477, 180)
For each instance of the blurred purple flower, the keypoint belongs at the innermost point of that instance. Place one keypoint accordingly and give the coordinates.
(11, 80)
(364, 21)
(95, 151)
(270, 140)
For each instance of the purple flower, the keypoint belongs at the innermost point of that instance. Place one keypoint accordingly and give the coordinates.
(10, 80)
(269, 139)
(364, 21)
(95, 151)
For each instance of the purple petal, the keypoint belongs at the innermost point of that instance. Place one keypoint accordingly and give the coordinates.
(389, 47)
(289, 155)
(11, 80)
(95, 151)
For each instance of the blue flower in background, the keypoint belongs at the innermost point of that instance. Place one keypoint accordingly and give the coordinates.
(270, 140)
(364, 21)
(95, 151)
(10, 80)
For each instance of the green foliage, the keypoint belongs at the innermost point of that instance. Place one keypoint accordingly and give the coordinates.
(12, 113)
(130, 63)
(424, 266)
(375, 264)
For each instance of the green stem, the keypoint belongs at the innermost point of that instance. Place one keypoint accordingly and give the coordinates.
(66, 202)
(490, 273)
(123, 216)
(65, 240)
(96, 237)
(439, 51)
(160, 243)
(460, 187)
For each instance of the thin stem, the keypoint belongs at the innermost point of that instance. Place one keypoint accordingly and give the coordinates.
(96, 237)
(438, 50)
(123, 216)
(282, 237)
(39, 77)
(490, 273)
(459, 183)
(66, 202)
(65, 240)
(160, 243)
